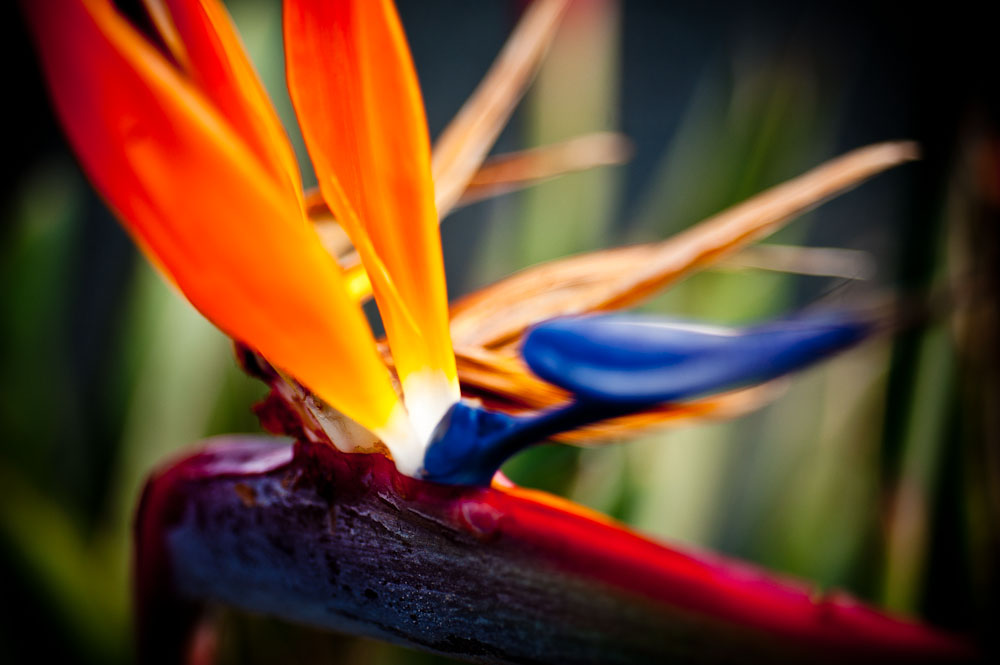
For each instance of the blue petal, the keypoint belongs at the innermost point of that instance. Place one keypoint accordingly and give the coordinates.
(469, 445)
(644, 360)
(616, 365)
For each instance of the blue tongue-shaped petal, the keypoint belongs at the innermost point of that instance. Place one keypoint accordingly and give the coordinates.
(644, 360)
(615, 365)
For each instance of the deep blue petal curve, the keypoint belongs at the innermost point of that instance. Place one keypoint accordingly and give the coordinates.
(645, 360)
(616, 365)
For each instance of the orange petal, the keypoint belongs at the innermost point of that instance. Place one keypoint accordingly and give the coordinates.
(468, 138)
(354, 89)
(516, 170)
(498, 175)
(616, 278)
(201, 36)
(192, 192)
(511, 171)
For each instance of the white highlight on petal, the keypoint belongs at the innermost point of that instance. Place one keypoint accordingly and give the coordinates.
(687, 326)
(428, 395)
(405, 444)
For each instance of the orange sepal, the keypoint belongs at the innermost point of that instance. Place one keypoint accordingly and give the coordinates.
(355, 91)
(203, 39)
(194, 195)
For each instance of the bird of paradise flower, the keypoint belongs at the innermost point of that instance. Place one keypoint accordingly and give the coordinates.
(179, 137)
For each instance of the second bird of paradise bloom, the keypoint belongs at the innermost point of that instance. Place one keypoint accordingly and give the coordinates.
(177, 133)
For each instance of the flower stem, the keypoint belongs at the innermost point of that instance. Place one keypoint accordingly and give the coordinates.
(344, 542)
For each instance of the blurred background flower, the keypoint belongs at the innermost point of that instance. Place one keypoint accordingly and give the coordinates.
(877, 473)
